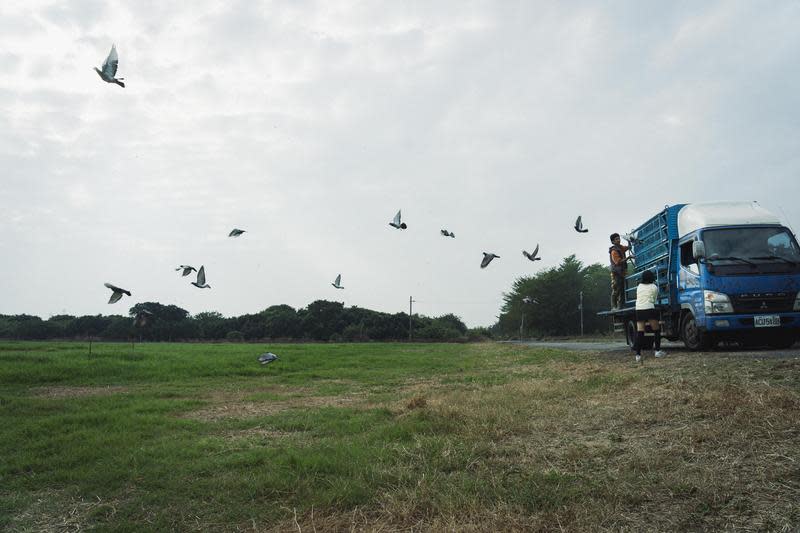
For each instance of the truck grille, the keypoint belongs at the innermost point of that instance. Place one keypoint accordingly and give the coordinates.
(770, 302)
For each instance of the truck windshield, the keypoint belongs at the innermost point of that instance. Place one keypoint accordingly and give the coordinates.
(754, 249)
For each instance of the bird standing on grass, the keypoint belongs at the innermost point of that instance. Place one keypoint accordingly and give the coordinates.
(266, 358)
(109, 69)
(117, 294)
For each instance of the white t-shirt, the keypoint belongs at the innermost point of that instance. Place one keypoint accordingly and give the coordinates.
(646, 295)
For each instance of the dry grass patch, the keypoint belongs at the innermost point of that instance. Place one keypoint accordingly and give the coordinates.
(232, 408)
(75, 392)
(664, 446)
(63, 512)
(258, 433)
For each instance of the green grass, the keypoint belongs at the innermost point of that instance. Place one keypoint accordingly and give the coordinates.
(392, 436)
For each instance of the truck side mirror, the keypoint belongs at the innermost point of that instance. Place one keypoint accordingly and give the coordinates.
(698, 249)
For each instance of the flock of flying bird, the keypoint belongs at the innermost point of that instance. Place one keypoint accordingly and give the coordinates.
(108, 72)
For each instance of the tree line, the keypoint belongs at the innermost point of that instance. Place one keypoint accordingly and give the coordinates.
(322, 320)
(548, 303)
(543, 304)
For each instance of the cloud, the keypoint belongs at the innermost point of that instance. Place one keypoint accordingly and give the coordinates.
(309, 124)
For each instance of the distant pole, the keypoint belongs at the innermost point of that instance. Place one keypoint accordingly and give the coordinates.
(580, 306)
(410, 301)
(521, 326)
(90, 346)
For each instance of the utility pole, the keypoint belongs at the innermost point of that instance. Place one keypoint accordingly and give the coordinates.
(410, 301)
(580, 306)
(521, 326)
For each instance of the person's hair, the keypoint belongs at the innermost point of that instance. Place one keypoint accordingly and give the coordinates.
(648, 277)
(614, 236)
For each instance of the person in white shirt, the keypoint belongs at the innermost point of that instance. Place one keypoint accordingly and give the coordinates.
(646, 297)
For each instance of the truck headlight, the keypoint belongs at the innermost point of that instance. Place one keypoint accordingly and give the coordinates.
(797, 302)
(716, 302)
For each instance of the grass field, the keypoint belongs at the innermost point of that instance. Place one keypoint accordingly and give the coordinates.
(388, 437)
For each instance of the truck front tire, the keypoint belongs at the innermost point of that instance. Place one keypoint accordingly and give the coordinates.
(693, 337)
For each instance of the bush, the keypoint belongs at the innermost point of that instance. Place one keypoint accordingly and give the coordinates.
(436, 331)
(479, 334)
(234, 336)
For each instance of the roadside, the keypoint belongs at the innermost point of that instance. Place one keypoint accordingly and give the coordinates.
(669, 346)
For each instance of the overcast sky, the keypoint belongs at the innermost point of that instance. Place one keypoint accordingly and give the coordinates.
(309, 124)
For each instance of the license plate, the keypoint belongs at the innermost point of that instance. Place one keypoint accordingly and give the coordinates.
(766, 321)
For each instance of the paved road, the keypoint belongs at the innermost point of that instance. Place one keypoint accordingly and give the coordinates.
(669, 347)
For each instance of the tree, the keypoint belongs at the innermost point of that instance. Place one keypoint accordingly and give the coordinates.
(322, 318)
(554, 297)
(282, 321)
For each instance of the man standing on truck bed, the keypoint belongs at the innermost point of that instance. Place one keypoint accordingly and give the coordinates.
(619, 267)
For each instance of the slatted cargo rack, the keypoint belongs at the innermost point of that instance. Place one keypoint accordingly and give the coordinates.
(655, 248)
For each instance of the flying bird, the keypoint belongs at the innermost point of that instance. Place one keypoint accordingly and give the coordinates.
(235, 232)
(487, 258)
(201, 279)
(395, 223)
(186, 270)
(532, 255)
(579, 226)
(338, 282)
(109, 69)
(117, 294)
(267, 358)
(141, 318)
(446, 233)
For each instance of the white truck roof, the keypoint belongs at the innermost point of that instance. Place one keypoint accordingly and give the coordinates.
(692, 217)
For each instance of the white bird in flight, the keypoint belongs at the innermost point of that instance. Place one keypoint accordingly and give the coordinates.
(117, 294)
(487, 258)
(186, 269)
(532, 255)
(109, 69)
(141, 318)
(201, 279)
(235, 232)
(338, 282)
(395, 223)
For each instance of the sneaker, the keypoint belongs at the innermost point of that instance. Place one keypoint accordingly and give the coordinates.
(638, 358)
(660, 353)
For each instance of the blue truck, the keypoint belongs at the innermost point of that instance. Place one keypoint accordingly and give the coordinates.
(726, 271)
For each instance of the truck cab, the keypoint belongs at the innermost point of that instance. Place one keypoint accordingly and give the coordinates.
(726, 271)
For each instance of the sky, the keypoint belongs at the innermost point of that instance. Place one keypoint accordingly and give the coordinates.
(309, 124)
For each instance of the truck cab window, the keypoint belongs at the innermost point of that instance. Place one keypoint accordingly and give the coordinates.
(687, 258)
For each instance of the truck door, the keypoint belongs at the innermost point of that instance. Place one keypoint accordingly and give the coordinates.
(690, 293)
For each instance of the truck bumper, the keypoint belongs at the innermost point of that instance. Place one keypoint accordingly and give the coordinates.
(790, 323)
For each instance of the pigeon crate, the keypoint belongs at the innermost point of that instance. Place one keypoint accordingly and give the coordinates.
(655, 247)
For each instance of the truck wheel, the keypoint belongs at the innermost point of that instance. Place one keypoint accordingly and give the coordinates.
(647, 342)
(630, 333)
(693, 338)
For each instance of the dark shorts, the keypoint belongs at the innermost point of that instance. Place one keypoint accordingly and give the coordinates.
(643, 315)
